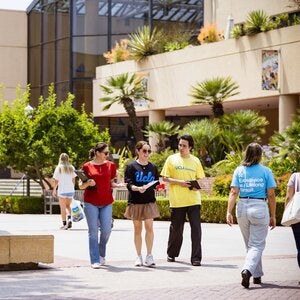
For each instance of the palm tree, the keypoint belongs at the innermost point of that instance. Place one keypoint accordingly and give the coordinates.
(214, 92)
(244, 126)
(125, 89)
(161, 131)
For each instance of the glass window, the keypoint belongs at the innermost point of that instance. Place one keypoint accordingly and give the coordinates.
(62, 60)
(86, 18)
(34, 27)
(48, 63)
(34, 63)
(83, 91)
(62, 19)
(62, 90)
(35, 93)
(88, 54)
(48, 21)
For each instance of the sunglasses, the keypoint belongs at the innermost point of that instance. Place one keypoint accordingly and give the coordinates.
(146, 151)
(106, 153)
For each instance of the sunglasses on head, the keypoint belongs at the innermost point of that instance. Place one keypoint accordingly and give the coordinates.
(146, 151)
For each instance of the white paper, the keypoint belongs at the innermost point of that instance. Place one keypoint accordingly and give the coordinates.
(146, 186)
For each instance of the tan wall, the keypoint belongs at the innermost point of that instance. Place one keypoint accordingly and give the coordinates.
(218, 10)
(13, 51)
(172, 74)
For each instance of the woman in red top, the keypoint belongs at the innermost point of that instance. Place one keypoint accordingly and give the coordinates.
(98, 201)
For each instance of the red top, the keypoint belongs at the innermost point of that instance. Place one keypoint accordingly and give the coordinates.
(102, 175)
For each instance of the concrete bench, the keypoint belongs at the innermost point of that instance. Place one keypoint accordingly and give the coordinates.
(20, 252)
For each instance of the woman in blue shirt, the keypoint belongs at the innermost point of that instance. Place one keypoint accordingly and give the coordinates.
(254, 184)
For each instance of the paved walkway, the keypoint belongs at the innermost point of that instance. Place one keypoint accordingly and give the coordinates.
(70, 277)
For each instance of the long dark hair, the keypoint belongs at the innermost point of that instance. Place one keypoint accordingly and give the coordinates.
(253, 155)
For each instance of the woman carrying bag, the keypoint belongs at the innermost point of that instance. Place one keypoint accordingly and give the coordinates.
(292, 187)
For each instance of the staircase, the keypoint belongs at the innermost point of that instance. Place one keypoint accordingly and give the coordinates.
(19, 187)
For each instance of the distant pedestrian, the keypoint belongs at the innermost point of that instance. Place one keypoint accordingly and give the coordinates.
(98, 201)
(64, 180)
(141, 206)
(178, 170)
(292, 186)
(254, 184)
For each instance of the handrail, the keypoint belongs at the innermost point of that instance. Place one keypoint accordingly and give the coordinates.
(17, 184)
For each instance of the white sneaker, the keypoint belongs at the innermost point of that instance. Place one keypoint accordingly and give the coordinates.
(64, 227)
(102, 261)
(96, 265)
(139, 261)
(149, 261)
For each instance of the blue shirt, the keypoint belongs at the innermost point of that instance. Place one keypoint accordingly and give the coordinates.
(253, 181)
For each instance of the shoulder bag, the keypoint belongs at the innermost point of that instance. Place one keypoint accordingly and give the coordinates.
(291, 214)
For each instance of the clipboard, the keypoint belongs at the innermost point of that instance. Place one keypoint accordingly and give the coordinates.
(82, 175)
(194, 185)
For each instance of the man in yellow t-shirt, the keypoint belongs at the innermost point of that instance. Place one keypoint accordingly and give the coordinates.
(178, 170)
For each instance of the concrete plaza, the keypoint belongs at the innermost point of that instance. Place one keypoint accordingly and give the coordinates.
(71, 277)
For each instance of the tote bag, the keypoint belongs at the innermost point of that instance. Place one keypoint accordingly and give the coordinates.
(291, 214)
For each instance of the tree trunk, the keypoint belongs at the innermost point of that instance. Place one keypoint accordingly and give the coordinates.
(133, 120)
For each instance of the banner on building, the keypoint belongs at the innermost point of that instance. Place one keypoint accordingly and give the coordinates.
(270, 70)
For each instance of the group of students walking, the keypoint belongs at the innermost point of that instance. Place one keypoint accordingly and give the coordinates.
(252, 183)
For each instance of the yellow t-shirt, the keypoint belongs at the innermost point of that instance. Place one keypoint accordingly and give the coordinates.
(189, 168)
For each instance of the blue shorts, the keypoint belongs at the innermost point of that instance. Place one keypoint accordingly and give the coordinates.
(67, 195)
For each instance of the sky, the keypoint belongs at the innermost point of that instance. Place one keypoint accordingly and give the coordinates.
(15, 4)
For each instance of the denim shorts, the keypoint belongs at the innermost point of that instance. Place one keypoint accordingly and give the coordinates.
(67, 195)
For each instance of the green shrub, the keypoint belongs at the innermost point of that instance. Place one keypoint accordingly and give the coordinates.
(22, 205)
(221, 185)
(282, 181)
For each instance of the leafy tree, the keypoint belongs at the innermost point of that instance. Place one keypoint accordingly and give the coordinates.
(125, 89)
(288, 143)
(32, 143)
(241, 128)
(214, 92)
(161, 132)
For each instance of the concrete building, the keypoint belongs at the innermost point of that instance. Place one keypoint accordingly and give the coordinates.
(62, 41)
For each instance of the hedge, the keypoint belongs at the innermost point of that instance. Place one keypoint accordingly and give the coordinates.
(213, 210)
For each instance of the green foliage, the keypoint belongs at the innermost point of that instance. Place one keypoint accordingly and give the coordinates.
(159, 158)
(281, 188)
(288, 143)
(221, 185)
(32, 143)
(214, 92)
(245, 126)
(125, 89)
(174, 45)
(21, 205)
(257, 21)
(296, 19)
(206, 135)
(237, 31)
(227, 165)
(143, 43)
(161, 132)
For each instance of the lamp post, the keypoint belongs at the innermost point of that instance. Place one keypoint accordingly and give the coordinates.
(28, 112)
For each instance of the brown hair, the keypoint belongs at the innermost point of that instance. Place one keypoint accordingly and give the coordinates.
(139, 145)
(253, 155)
(100, 146)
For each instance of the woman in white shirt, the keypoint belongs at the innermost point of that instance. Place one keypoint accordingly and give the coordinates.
(64, 179)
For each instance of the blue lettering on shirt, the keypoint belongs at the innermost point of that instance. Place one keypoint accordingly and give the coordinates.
(140, 177)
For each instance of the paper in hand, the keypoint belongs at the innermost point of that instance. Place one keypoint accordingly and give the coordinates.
(146, 186)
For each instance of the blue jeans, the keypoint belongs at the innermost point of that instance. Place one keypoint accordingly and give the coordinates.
(96, 215)
(253, 219)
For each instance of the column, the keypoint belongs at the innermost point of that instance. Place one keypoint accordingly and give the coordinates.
(288, 105)
(155, 116)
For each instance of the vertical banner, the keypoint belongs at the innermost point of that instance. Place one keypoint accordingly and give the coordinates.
(269, 70)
